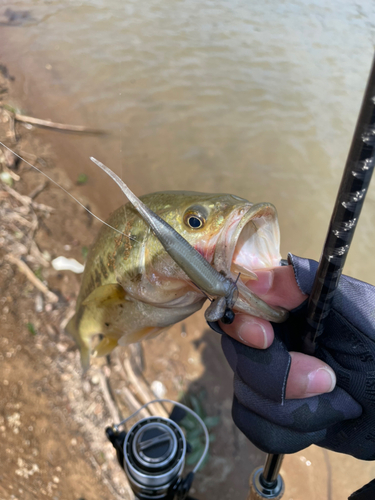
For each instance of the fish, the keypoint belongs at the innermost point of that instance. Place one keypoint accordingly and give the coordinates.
(134, 287)
(156, 261)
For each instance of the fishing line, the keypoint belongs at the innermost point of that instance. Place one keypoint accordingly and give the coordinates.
(67, 192)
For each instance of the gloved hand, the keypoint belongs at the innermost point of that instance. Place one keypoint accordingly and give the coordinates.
(341, 420)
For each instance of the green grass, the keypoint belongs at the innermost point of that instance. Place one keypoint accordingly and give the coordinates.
(193, 431)
(31, 328)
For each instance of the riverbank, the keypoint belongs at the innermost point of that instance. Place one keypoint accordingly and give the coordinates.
(49, 415)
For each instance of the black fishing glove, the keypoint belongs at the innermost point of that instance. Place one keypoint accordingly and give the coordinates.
(343, 420)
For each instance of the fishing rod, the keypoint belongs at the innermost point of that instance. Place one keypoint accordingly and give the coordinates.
(266, 482)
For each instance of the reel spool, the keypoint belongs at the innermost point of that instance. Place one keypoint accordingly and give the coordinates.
(152, 454)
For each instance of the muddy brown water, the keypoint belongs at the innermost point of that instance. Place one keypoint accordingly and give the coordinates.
(255, 99)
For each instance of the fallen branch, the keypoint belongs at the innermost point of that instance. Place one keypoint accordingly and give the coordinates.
(24, 268)
(144, 392)
(57, 126)
(37, 255)
(132, 403)
(27, 201)
(111, 404)
(17, 217)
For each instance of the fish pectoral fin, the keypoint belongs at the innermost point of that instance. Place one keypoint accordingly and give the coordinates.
(145, 333)
(106, 295)
(104, 347)
(84, 347)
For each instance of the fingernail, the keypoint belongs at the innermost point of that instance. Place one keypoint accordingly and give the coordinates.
(262, 285)
(253, 334)
(321, 380)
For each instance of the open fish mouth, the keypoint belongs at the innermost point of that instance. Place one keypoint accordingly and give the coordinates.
(249, 241)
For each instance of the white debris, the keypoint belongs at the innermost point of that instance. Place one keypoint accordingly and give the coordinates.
(23, 471)
(63, 264)
(14, 422)
(39, 303)
(158, 388)
(6, 178)
(46, 255)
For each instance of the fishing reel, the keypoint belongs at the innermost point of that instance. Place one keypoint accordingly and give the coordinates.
(152, 453)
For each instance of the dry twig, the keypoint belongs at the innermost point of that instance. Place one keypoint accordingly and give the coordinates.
(27, 201)
(17, 217)
(24, 268)
(37, 254)
(13, 175)
(111, 404)
(132, 403)
(143, 391)
(58, 126)
(34, 193)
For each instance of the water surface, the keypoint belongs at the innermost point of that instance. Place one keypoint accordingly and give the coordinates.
(255, 98)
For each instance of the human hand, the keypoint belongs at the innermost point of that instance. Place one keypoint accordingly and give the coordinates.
(308, 375)
(341, 420)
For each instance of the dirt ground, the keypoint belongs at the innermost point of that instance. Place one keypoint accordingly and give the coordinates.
(52, 417)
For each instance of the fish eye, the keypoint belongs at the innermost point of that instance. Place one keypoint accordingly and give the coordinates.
(194, 220)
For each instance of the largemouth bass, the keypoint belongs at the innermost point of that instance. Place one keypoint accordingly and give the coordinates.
(154, 264)
(132, 289)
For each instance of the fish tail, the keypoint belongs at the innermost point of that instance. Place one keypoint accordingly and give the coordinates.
(72, 328)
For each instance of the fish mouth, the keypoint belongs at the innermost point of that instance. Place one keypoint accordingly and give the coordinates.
(250, 240)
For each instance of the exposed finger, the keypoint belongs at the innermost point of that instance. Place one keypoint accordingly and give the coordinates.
(251, 331)
(277, 287)
(308, 376)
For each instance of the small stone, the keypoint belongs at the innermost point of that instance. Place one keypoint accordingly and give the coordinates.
(61, 347)
(86, 386)
(46, 255)
(106, 370)
(158, 388)
(39, 303)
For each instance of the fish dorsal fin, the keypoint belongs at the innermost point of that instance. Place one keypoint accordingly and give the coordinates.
(106, 295)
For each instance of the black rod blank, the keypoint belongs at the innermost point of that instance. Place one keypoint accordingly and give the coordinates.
(351, 195)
